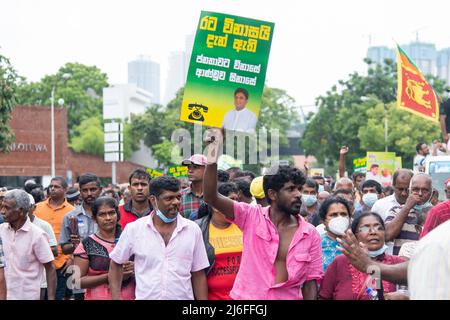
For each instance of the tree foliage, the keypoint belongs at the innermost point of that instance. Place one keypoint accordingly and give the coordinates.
(9, 80)
(82, 93)
(352, 113)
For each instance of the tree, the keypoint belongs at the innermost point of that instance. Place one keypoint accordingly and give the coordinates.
(82, 93)
(345, 117)
(9, 80)
(89, 137)
(405, 131)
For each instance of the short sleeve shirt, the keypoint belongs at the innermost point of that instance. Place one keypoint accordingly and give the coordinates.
(256, 276)
(162, 272)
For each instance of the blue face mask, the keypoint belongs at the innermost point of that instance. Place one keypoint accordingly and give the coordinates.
(164, 218)
(378, 252)
(309, 200)
(321, 188)
(420, 207)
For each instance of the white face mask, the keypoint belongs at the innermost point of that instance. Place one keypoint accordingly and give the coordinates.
(369, 199)
(339, 225)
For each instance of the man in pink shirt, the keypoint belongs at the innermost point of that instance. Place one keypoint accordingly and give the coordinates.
(282, 254)
(26, 250)
(170, 255)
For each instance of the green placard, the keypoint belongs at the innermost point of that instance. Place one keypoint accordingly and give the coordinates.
(178, 171)
(229, 53)
(154, 173)
(360, 164)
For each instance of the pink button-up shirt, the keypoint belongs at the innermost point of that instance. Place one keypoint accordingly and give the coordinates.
(162, 272)
(25, 253)
(256, 277)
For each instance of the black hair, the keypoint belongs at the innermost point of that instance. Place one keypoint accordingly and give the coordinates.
(139, 174)
(243, 91)
(111, 193)
(372, 183)
(330, 201)
(401, 172)
(227, 188)
(312, 184)
(357, 220)
(110, 202)
(224, 189)
(222, 176)
(60, 179)
(37, 194)
(163, 183)
(419, 146)
(243, 185)
(358, 174)
(374, 166)
(284, 174)
(87, 178)
(246, 173)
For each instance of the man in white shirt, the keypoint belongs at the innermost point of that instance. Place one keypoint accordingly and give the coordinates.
(241, 118)
(419, 160)
(170, 255)
(401, 180)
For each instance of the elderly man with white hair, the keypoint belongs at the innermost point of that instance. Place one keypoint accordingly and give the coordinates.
(401, 221)
(26, 250)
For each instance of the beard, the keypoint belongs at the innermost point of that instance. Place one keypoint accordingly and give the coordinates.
(293, 209)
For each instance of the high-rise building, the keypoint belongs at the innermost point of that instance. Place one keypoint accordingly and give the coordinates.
(424, 56)
(443, 64)
(379, 53)
(145, 73)
(176, 77)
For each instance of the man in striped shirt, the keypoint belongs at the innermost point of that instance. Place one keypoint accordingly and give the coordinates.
(402, 220)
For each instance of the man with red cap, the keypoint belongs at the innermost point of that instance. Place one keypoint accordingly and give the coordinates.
(192, 197)
(438, 214)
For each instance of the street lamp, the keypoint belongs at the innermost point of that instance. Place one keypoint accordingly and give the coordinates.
(65, 77)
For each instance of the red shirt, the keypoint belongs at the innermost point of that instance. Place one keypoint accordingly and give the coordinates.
(343, 282)
(127, 215)
(436, 216)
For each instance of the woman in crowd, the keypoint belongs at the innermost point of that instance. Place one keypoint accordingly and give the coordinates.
(342, 281)
(223, 242)
(335, 215)
(92, 254)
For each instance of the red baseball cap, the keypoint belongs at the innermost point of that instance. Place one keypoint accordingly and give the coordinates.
(197, 159)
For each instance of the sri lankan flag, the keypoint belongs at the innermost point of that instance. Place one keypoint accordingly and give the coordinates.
(414, 93)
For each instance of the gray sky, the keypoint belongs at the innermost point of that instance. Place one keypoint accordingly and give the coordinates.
(315, 43)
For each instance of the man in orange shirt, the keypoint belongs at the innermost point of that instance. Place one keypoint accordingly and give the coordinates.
(53, 211)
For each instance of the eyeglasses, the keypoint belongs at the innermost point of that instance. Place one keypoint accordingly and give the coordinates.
(366, 229)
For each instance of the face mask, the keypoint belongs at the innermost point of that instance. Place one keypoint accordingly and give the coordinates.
(427, 204)
(309, 200)
(338, 225)
(163, 217)
(321, 188)
(369, 199)
(376, 253)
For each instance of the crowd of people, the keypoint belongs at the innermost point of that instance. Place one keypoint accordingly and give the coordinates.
(226, 235)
